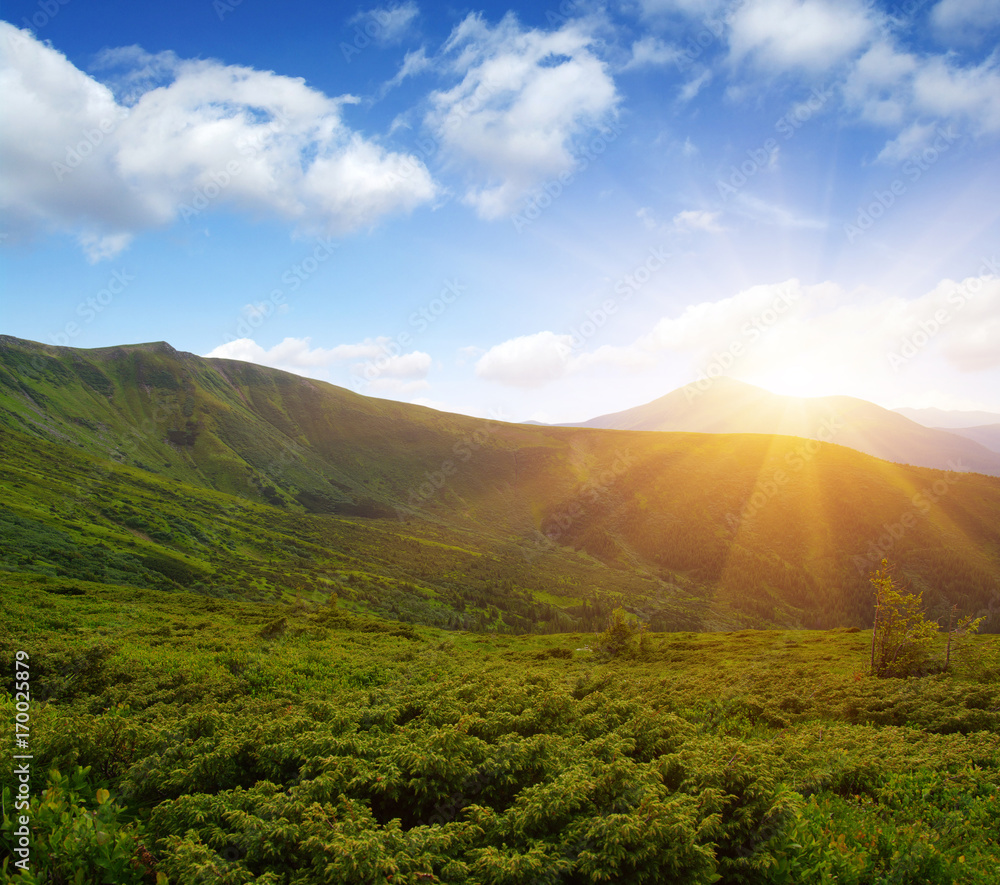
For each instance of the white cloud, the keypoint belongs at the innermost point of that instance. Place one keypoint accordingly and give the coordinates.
(949, 92)
(524, 99)
(299, 356)
(650, 51)
(965, 19)
(691, 89)
(771, 213)
(387, 24)
(75, 159)
(875, 86)
(527, 361)
(969, 337)
(698, 219)
(647, 217)
(715, 324)
(907, 143)
(917, 96)
(812, 35)
(692, 8)
(262, 309)
(804, 339)
(414, 63)
(404, 365)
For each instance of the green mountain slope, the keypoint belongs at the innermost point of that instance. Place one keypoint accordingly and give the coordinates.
(457, 521)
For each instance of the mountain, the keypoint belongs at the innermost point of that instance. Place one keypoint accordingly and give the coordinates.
(987, 435)
(730, 406)
(141, 464)
(949, 419)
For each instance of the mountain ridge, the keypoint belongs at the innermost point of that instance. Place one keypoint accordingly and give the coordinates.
(722, 529)
(730, 406)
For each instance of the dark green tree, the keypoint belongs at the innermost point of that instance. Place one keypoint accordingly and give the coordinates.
(619, 638)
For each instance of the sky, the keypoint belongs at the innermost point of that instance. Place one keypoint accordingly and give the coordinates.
(544, 212)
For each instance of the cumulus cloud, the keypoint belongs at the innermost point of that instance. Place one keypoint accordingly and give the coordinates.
(527, 361)
(75, 158)
(524, 100)
(811, 35)
(918, 96)
(875, 86)
(297, 355)
(946, 91)
(801, 338)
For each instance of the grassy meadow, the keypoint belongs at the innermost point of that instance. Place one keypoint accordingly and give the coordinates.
(198, 740)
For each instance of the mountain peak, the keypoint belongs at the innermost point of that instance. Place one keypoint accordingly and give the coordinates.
(727, 405)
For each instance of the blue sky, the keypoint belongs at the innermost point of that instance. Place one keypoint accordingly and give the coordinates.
(536, 212)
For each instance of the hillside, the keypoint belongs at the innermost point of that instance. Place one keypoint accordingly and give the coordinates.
(949, 419)
(242, 480)
(987, 435)
(730, 406)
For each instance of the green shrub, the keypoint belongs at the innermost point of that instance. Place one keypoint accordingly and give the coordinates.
(77, 837)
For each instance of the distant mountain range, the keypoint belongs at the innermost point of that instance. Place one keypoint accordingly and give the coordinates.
(981, 427)
(948, 419)
(144, 448)
(729, 406)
